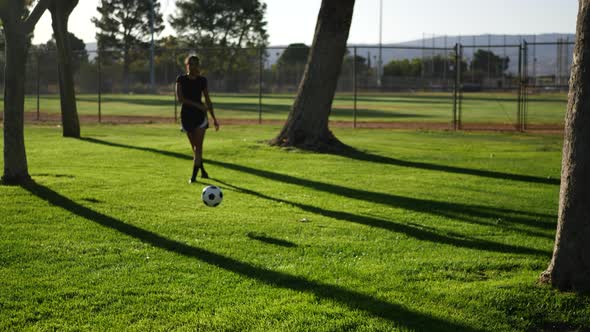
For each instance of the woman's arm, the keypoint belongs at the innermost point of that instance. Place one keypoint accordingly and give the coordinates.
(210, 107)
(186, 101)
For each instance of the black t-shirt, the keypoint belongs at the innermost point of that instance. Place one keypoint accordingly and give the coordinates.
(192, 89)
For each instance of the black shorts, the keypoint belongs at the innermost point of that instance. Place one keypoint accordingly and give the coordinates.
(191, 119)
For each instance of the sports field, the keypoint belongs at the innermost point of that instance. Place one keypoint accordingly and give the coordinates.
(417, 230)
(547, 109)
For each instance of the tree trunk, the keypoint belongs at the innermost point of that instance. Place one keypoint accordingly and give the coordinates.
(60, 13)
(15, 157)
(16, 32)
(307, 124)
(570, 266)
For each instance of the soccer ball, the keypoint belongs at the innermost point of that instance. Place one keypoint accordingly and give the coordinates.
(212, 196)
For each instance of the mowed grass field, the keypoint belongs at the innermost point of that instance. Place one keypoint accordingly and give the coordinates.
(498, 108)
(418, 230)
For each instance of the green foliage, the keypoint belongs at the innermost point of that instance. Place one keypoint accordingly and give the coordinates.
(123, 29)
(486, 61)
(439, 231)
(43, 61)
(294, 54)
(234, 32)
(290, 66)
(435, 66)
(364, 72)
(48, 51)
(124, 24)
(405, 67)
(224, 23)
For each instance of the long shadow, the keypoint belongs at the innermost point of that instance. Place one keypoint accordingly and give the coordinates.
(392, 312)
(267, 107)
(137, 100)
(364, 156)
(457, 211)
(414, 231)
(421, 99)
(271, 240)
(450, 210)
(355, 154)
(253, 108)
(284, 109)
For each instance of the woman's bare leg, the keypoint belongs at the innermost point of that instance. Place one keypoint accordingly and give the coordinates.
(196, 138)
(200, 138)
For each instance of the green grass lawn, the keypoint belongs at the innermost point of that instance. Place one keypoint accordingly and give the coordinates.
(444, 231)
(546, 108)
(543, 108)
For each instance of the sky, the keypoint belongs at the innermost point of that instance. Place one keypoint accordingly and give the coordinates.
(294, 21)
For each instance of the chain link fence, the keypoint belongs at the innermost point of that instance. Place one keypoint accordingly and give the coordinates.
(521, 86)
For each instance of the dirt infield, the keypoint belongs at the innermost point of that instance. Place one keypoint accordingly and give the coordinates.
(55, 118)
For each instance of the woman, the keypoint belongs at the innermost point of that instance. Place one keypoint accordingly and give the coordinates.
(190, 88)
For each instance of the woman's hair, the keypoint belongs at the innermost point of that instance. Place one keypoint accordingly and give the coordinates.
(192, 58)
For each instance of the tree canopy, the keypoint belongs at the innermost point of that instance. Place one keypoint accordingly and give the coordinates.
(486, 60)
(123, 24)
(294, 54)
(233, 23)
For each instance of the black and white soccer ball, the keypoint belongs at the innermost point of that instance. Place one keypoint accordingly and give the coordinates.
(212, 196)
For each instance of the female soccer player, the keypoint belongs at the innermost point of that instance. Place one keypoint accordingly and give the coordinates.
(190, 88)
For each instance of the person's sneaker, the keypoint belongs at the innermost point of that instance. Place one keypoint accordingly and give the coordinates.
(191, 180)
(204, 174)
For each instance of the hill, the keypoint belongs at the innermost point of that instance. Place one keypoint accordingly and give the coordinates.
(546, 55)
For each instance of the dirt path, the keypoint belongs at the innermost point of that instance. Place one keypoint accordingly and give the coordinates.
(55, 118)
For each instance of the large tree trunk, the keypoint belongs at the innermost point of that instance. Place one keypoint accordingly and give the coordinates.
(570, 266)
(307, 124)
(60, 13)
(15, 157)
(17, 32)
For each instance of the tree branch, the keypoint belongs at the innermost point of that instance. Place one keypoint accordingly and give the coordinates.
(35, 15)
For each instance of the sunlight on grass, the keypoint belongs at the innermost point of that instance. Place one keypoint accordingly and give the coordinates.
(414, 231)
(501, 108)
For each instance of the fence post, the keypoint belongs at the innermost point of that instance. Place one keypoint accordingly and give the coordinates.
(260, 63)
(175, 100)
(525, 80)
(460, 87)
(99, 85)
(38, 86)
(519, 96)
(456, 86)
(354, 87)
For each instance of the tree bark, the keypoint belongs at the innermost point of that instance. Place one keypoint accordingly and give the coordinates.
(307, 124)
(60, 13)
(16, 31)
(569, 269)
(15, 157)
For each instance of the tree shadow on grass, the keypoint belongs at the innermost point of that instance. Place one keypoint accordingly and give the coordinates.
(394, 313)
(355, 154)
(270, 240)
(342, 112)
(253, 107)
(465, 212)
(133, 100)
(458, 211)
(412, 230)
